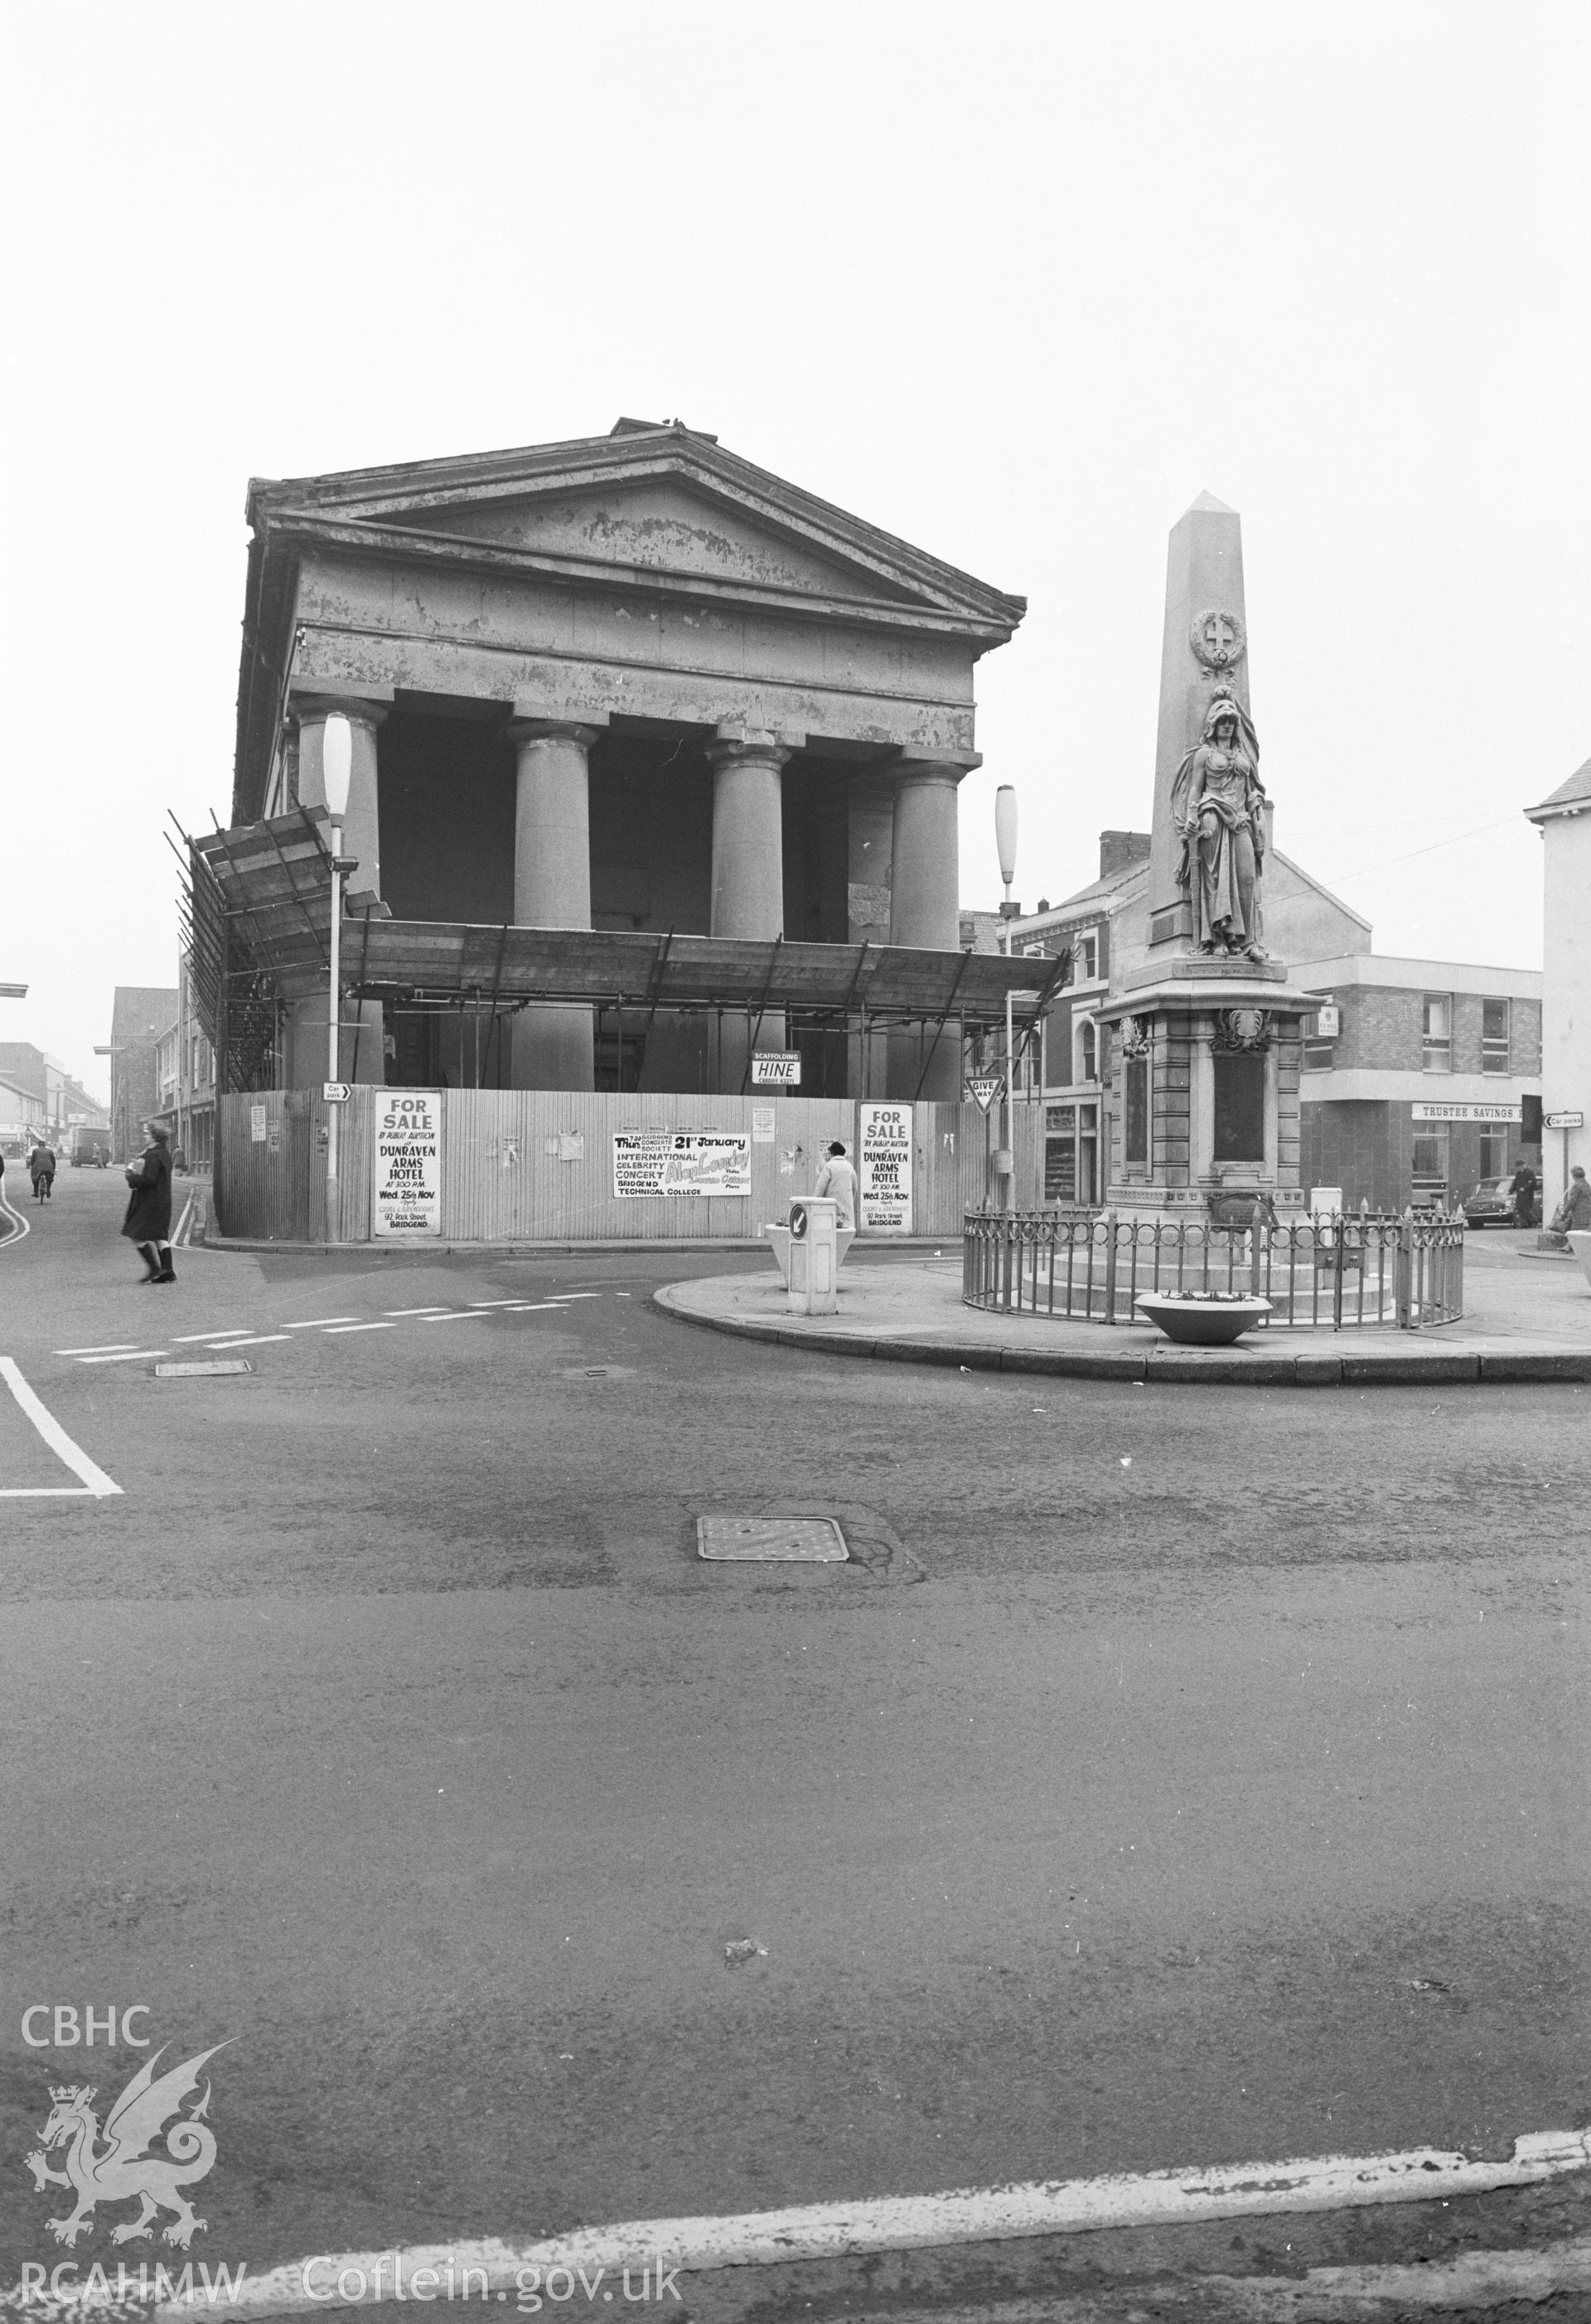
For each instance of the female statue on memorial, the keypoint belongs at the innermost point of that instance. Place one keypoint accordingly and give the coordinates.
(1218, 804)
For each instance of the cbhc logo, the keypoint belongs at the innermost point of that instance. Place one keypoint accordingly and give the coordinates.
(69, 2029)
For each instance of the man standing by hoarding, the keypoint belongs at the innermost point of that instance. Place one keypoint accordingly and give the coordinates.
(837, 1178)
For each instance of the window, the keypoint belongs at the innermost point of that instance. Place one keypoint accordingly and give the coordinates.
(1087, 1050)
(1494, 1154)
(1084, 964)
(1494, 1037)
(1437, 1033)
(1088, 1148)
(1070, 1153)
(1320, 1040)
(1429, 1172)
(1060, 1154)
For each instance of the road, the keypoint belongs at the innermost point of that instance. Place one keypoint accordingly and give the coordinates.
(1177, 1776)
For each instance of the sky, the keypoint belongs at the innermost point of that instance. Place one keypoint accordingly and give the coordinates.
(1014, 281)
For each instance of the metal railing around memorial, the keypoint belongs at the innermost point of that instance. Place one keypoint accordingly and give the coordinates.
(1341, 1273)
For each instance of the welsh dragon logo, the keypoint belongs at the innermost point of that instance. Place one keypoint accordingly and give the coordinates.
(126, 2168)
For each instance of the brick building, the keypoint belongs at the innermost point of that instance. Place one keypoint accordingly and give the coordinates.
(140, 1015)
(185, 1077)
(1415, 1077)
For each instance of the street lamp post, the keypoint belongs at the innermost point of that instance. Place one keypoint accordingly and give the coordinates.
(337, 768)
(1005, 840)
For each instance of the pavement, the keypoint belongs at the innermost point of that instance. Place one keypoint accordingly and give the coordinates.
(1520, 1324)
(1163, 1784)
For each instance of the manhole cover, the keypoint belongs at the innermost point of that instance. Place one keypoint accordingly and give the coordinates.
(772, 1541)
(200, 1371)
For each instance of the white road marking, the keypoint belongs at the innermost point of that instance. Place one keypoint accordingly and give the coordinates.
(260, 1339)
(532, 1306)
(234, 1332)
(916, 2222)
(432, 1310)
(559, 1297)
(458, 1315)
(106, 1348)
(132, 1357)
(338, 1330)
(494, 1303)
(91, 1478)
(319, 1323)
(20, 1226)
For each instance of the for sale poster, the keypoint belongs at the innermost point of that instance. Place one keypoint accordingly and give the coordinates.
(884, 1168)
(405, 1182)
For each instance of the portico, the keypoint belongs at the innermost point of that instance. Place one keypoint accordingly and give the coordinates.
(630, 683)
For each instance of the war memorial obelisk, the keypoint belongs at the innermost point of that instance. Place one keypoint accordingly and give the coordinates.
(1205, 1038)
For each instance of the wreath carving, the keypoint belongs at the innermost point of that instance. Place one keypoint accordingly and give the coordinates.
(1218, 638)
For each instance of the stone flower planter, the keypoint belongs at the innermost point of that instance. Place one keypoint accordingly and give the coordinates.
(1209, 1321)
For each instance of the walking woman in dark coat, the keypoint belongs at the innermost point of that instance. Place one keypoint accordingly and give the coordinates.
(148, 1222)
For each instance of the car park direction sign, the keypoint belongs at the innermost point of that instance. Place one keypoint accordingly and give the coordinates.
(1575, 1120)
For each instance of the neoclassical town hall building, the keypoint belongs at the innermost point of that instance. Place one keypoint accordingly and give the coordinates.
(627, 685)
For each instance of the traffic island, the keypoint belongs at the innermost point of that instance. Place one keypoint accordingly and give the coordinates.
(913, 1313)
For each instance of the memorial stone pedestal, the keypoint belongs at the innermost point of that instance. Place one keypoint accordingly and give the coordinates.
(1206, 1037)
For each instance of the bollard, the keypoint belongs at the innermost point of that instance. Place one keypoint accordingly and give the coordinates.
(815, 1256)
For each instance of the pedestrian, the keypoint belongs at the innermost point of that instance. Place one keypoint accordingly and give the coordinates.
(42, 1171)
(1522, 1187)
(839, 1179)
(148, 1222)
(1573, 1214)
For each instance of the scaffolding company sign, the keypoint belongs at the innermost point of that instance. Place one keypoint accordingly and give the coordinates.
(681, 1162)
(884, 1157)
(405, 1182)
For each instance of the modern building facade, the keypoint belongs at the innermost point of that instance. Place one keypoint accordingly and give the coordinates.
(1415, 1074)
(630, 684)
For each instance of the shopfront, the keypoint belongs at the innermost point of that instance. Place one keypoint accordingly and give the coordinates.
(1071, 1152)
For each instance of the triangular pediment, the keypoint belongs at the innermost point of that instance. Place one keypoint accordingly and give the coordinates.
(667, 499)
(660, 522)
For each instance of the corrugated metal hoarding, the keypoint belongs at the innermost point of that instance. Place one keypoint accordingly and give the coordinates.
(549, 1166)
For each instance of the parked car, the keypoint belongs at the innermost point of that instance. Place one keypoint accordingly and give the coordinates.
(1491, 1204)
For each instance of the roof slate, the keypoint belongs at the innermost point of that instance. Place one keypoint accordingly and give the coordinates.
(140, 1011)
(1578, 786)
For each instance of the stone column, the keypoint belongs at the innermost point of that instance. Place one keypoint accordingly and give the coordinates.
(362, 1040)
(925, 909)
(748, 876)
(552, 1044)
